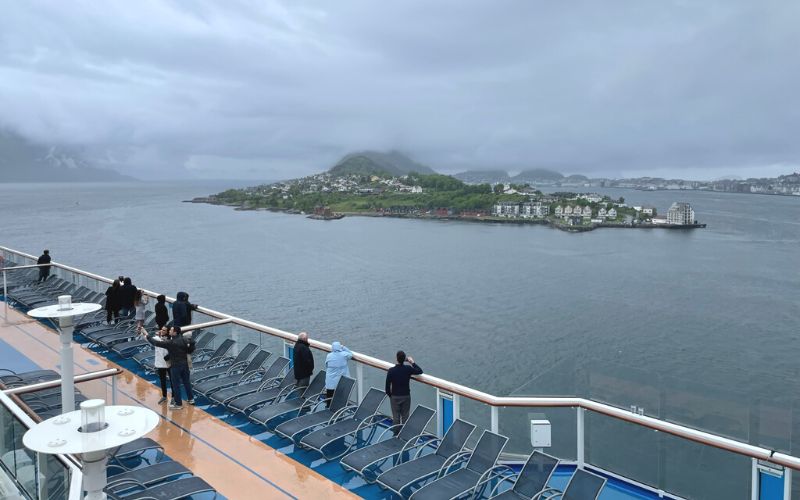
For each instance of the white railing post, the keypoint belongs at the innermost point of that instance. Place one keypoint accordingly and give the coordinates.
(787, 483)
(754, 486)
(456, 407)
(439, 413)
(67, 367)
(5, 295)
(581, 435)
(360, 380)
(495, 419)
(114, 390)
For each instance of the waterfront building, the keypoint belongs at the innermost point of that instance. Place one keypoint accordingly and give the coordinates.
(507, 209)
(568, 211)
(612, 213)
(534, 210)
(587, 211)
(559, 211)
(602, 213)
(680, 213)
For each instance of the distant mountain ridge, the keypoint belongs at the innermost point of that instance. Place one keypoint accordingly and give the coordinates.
(483, 176)
(538, 175)
(376, 163)
(24, 161)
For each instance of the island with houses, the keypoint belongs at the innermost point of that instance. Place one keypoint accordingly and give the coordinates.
(375, 186)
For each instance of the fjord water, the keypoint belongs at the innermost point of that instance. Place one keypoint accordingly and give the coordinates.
(695, 326)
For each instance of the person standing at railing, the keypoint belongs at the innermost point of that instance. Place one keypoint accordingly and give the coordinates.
(182, 310)
(127, 296)
(303, 360)
(44, 270)
(140, 305)
(398, 381)
(178, 349)
(112, 302)
(162, 315)
(335, 367)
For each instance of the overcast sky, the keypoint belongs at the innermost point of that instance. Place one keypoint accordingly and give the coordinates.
(267, 90)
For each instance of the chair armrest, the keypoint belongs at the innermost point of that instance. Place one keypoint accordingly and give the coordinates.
(426, 444)
(554, 492)
(380, 437)
(455, 458)
(488, 476)
(339, 414)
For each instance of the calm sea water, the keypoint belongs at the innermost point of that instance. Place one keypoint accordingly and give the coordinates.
(696, 326)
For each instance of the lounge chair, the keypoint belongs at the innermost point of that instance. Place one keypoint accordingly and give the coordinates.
(291, 406)
(409, 437)
(532, 480)
(230, 368)
(583, 485)
(147, 475)
(364, 416)
(448, 449)
(250, 372)
(480, 467)
(270, 378)
(14, 379)
(262, 396)
(295, 428)
(171, 490)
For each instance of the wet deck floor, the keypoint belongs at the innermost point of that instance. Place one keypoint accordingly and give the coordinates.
(233, 462)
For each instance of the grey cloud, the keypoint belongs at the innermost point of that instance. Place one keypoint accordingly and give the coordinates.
(279, 89)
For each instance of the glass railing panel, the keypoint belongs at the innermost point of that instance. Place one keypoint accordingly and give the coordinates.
(623, 448)
(476, 413)
(515, 423)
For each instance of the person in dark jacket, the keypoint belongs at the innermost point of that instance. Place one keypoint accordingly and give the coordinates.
(112, 302)
(178, 349)
(182, 310)
(303, 360)
(397, 387)
(162, 315)
(44, 271)
(127, 295)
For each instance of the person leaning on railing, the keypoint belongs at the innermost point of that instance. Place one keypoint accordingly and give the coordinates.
(44, 270)
(398, 389)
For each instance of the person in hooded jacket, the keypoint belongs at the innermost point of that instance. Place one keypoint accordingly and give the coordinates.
(162, 314)
(178, 350)
(112, 302)
(182, 310)
(44, 271)
(303, 360)
(335, 367)
(127, 296)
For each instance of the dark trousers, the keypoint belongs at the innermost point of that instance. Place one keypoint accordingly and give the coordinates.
(162, 377)
(401, 405)
(302, 382)
(44, 272)
(126, 312)
(180, 374)
(109, 314)
(328, 396)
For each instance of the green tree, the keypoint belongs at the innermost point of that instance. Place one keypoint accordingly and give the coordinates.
(498, 188)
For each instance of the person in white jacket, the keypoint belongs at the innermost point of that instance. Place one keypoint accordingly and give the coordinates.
(162, 365)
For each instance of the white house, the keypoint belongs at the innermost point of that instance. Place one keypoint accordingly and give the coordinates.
(587, 211)
(567, 211)
(602, 212)
(680, 213)
(559, 211)
(612, 213)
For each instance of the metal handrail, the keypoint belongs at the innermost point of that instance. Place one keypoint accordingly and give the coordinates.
(49, 384)
(674, 429)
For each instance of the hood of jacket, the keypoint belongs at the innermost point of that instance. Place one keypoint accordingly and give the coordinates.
(336, 346)
(182, 297)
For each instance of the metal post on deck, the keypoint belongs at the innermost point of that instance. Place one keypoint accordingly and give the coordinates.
(360, 380)
(67, 368)
(495, 419)
(581, 437)
(787, 483)
(754, 486)
(114, 390)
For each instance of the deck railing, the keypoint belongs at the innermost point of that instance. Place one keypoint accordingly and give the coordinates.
(454, 400)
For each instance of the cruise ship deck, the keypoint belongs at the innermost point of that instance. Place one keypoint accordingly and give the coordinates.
(241, 459)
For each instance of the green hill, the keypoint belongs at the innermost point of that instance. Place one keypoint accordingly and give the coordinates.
(392, 163)
(538, 175)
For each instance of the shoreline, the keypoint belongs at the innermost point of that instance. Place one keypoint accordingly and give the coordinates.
(485, 220)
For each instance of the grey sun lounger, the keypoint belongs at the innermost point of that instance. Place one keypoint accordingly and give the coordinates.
(408, 439)
(346, 424)
(295, 428)
(532, 480)
(136, 448)
(583, 485)
(270, 378)
(480, 467)
(262, 396)
(147, 475)
(401, 477)
(236, 366)
(252, 370)
(171, 490)
(291, 406)
(14, 379)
